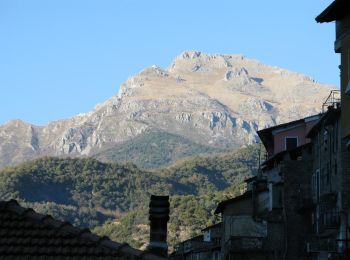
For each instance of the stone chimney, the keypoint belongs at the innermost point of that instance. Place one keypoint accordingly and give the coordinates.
(159, 217)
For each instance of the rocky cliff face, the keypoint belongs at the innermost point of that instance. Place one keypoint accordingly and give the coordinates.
(213, 100)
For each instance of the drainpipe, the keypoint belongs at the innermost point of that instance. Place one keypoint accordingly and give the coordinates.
(318, 181)
(319, 166)
(253, 200)
(159, 217)
(346, 234)
(285, 232)
(330, 145)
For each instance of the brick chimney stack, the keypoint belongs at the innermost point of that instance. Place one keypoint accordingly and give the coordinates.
(159, 217)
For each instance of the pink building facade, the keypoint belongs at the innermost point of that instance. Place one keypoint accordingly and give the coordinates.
(287, 136)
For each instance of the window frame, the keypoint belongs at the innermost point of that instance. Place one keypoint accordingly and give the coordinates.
(290, 137)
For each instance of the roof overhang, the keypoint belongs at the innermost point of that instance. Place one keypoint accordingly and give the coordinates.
(266, 135)
(334, 12)
(269, 163)
(327, 118)
(223, 204)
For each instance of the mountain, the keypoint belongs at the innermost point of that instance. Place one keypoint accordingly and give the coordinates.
(90, 193)
(153, 149)
(205, 102)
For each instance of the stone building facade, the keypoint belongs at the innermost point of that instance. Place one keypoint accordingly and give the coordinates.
(326, 186)
(203, 247)
(339, 12)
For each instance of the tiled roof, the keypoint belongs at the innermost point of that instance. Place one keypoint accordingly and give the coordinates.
(266, 135)
(25, 234)
(294, 153)
(217, 225)
(223, 204)
(246, 195)
(328, 117)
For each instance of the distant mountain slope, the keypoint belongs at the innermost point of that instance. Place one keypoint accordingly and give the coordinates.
(212, 179)
(153, 149)
(211, 100)
(87, 192)
(206, 174)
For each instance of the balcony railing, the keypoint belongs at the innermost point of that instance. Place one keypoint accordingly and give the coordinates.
(328, 220)
(328, 197)
(333, 100)
(315, 245)
(245, 244)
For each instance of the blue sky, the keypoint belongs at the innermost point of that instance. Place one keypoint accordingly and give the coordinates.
(59, 58)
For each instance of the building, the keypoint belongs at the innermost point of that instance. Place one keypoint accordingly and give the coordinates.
(243, 236)
(286, 136)
(326, 186)
(339, 12)
(271, 219)
(288, 177)
(286, 173)
(298, 206)
(206, 246)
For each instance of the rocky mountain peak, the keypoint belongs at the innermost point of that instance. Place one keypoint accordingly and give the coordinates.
(196, 61)
(211, 100)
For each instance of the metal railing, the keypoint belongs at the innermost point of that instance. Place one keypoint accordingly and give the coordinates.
(328, 219)
(333, 100)
(245, 243)
(315, 245)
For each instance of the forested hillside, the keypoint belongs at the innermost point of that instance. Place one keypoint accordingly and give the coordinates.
(113, 198)
(153, 149)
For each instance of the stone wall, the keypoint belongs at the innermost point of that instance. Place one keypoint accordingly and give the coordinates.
(297, 186)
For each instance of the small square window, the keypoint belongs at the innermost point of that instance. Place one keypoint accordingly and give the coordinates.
(291, 143)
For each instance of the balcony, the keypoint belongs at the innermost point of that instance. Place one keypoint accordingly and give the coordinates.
(329, 219)
(316, 245)
(245, 244)
(333, 100)
(329, 198)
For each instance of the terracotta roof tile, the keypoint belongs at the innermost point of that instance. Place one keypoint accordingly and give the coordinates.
(25, 234)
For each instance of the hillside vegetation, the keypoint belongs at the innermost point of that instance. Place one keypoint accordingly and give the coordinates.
(189, 214)
(113, 198)
(154, 149)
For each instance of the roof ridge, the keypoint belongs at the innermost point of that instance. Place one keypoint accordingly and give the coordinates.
(83, 233)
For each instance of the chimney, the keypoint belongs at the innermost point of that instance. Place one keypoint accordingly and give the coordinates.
(159, 217)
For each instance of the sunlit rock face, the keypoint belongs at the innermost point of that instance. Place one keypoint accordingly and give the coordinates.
(214, 100)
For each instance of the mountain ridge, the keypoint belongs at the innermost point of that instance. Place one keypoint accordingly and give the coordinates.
(207, 99)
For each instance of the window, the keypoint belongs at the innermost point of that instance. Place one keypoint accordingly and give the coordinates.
(347, 89)
(318, 181)
(291, 142)
(313, 185)
(216, 255)
(325, 139)
(335, 168)
(335, 132)
(348, 65)
(322, 180)
(275, 196)
(325, 135)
